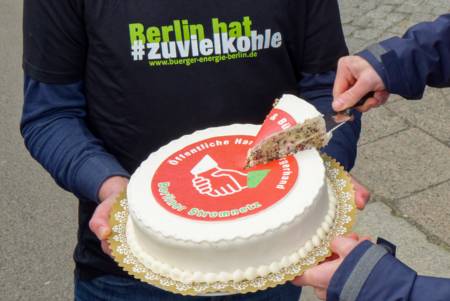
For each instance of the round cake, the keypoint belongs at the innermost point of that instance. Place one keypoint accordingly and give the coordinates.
(196, 214)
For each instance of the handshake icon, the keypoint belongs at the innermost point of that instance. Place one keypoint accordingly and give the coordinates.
(214, 181)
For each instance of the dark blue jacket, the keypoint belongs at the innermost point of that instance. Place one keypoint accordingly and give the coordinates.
(372, 273)
(420, 58)
(406, 65)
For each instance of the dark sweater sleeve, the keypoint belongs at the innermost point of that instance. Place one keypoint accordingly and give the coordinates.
(420, 58)
(371, 272)
(317, 89)
(54, 129)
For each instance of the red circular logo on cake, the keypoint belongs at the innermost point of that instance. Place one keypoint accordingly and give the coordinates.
(208, 181)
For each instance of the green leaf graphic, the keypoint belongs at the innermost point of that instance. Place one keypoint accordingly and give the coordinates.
(254, 178)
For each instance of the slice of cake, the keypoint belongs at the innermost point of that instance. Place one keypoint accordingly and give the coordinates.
(292, 125)
(197, 216)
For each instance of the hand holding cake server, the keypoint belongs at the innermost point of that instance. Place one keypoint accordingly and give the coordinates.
(361, 270)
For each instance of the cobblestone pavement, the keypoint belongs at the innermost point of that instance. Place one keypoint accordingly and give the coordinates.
(404, 158)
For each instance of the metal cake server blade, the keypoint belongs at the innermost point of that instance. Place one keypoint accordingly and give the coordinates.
(333, 122)
(337, 119)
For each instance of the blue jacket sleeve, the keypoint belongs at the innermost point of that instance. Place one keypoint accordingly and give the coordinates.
(54, 129)
(420, 58)
(317, 89)
(370, 272)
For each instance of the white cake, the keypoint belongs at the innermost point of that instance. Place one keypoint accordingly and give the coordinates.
(196, 215)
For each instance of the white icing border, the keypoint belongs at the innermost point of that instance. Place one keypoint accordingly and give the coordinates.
(171, 226)
(343, 223)
(249, 273)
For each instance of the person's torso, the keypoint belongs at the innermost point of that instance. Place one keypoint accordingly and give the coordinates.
(157, 70)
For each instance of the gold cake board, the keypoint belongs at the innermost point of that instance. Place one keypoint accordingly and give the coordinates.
(343, 223)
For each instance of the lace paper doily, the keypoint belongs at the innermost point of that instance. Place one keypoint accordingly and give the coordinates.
(343, 223)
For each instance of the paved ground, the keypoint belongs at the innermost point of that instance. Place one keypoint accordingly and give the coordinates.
(404, 159)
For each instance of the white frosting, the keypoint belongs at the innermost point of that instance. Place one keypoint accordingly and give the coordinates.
(189, 250)
(249, 272)
(298, 108)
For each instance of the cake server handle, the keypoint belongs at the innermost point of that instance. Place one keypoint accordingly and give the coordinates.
(359, 103)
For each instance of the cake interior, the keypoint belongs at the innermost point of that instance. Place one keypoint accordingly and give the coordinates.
(307, 135)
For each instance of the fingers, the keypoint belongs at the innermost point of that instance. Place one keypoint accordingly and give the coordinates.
(232, 189)
(227, 172)
(226, 190)
(343, 245)
(112, 186)
(344, 79)
(199, 181)
(202, 185)
(309, 278)
(369, 104)
(362, 195)
(355, 77)
(301, 280)
(232, 181)
(382, 96)
(105, 247)
(221, 191)
(350, 97)
(379, 99)
(318, 276)
(320, 293)
(99, 223)
(353, 236)
(358, 238)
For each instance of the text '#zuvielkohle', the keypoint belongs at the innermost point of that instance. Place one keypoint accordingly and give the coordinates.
(184, 43)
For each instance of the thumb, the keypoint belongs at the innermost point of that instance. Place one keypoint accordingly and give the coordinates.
(220, 172)
(350, 97)
(362, 195)
(343, 245)
(99, 223)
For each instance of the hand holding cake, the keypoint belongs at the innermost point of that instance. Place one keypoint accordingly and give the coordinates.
(362, 195)
(99, 223)
(320, 276)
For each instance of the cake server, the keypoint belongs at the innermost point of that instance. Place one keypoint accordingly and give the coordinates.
(337, 119)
